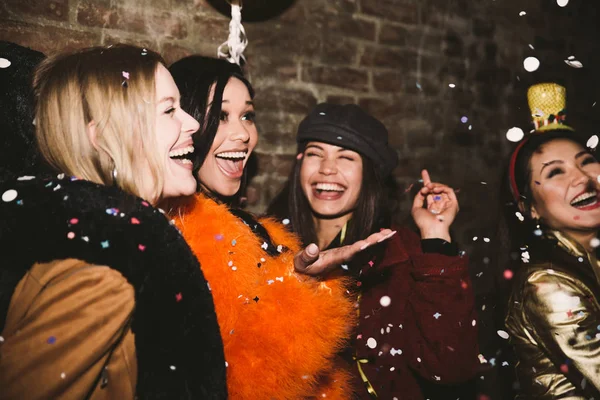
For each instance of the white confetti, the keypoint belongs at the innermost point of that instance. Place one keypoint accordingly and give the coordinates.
(419, 359)
(531, 64)
(437, 315)
(25, 178)
(503, 334)
(475, 238)
(562, 3)
(522, 13)
(487, 240)
(515, 134)
(452, 85)
(592, 142)
(1, 339)
(285, 221)
(595, 242)
(392, 369)
(63, 375)
(173, 368)
(520, 216)
(574, 63)
(393, 352)
(474, 322)
(9, 195)
(371, 343)
(4, 63)
(385, 301)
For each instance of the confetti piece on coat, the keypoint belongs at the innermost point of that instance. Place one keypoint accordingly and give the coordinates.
(503, 334)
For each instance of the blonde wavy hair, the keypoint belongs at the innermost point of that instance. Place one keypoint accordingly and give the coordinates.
(112, 88)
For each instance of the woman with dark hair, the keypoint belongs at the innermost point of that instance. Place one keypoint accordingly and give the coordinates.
(416, 313)
(281, 332)
(553, 221)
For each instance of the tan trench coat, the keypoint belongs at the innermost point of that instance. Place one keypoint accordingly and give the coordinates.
(64, 321)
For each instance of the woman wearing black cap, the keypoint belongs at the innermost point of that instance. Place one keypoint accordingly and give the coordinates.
(416, 311)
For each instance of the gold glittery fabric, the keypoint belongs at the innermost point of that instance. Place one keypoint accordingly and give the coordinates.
(553, 320)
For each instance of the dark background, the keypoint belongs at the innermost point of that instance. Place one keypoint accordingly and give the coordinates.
(395, 58)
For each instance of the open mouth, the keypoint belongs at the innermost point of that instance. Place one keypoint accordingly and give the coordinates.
(232, 162)
(585, 200)
(328, 191)
(182, 156)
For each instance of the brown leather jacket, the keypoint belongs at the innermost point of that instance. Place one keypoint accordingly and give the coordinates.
(66, 322)
(554, 320)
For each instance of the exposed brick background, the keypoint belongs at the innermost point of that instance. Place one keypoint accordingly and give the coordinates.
(395, 58)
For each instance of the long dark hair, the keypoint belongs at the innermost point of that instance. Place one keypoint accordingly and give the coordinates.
(195, 77)
(373, 210)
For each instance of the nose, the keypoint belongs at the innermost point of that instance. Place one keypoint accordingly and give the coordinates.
(239, 132)
(189, 125)
(328, 167)
(581, 177)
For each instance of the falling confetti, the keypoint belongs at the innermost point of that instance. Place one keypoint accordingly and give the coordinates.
(105, 244)
(515, 134)
(4, 63)
(574, 63)
(531, 64)
(285, 221)
(385, 301)
(592, 142)
(173, 368)
(71, 235)
(9, 195)
(371, 343)
(437, 315)
(464, 120)
(595, 242)
(508, 274)
(503, 334)
(125, 74)
(452, 85)
(51, 340)
(562, 3)
(178, 297)
(135, 221)
(522, 13)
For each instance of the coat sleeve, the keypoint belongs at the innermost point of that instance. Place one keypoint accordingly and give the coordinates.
(64, 319)
(565, 318)
(441, 323)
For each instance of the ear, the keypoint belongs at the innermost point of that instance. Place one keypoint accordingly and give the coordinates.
(91, 131)
(534, 213)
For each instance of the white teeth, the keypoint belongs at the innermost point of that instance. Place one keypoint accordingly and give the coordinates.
(185, 161)
(181, 152)
(233, 154)
(584, 196)
(334, 187)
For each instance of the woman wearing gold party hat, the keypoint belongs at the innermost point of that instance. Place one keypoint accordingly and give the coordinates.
(553, 221)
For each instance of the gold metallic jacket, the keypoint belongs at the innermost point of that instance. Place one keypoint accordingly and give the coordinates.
(554, 323)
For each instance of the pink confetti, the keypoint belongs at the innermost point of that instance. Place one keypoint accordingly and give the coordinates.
(71, 235)
(508, 274)
(178, 297)
(73, 221)
(564, 368)
(125, 74)
(135, 221)
(145, 204)
(141, 247)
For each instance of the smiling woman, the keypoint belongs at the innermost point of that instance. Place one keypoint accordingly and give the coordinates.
(553, 221)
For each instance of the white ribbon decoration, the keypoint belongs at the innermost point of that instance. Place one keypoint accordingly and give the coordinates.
(236, 43)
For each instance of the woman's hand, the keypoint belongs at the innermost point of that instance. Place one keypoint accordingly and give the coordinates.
(434, 209)
(312, 261)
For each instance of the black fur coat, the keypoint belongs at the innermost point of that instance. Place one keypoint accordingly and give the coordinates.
(174, 321)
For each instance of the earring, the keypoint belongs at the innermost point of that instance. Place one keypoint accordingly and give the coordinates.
(538, 229)
(114, 175)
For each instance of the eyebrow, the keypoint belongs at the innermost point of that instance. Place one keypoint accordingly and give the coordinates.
(166, 98)
(321, 148)
(249, 102)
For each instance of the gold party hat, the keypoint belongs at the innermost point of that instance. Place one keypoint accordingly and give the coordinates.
(548, 105)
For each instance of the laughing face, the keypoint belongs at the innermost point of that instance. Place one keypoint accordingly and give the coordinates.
(331, 179)
(174, 129)
(222, 170)
(565, 187)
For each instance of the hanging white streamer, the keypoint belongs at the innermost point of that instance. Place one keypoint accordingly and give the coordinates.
(233, 48)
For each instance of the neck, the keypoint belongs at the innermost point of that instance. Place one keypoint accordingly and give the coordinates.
(584, 238)
(328, 229)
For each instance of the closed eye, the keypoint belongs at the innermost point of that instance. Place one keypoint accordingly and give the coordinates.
(170, 110)
(589, 160)
(224, 116)
(553, 172)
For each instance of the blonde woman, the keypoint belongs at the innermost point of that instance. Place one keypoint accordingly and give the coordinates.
(99, 296)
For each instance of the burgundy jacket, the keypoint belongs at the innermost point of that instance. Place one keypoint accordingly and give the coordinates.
(429, 328)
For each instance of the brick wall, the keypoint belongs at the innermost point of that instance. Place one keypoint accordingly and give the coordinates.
(395, 58)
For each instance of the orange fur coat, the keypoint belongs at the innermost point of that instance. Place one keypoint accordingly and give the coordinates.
(280, 335)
